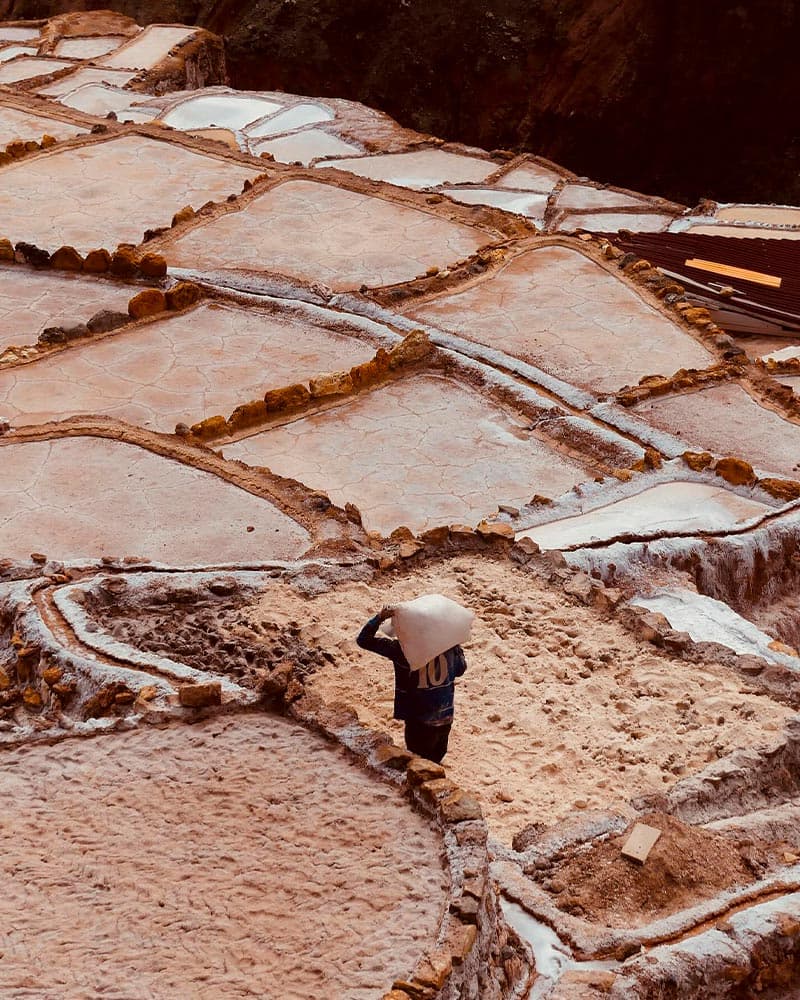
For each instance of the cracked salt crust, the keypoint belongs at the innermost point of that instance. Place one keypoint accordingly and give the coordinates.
(664, 509)
(559, 310)
(17, 34)
(420, 169)
(109, 192)
(184, 368)
(323, 233)
(421, 452)
(15, 124)
(25, 68)
(32, 300)
(303, 147)
(83, 496)
(725, 420)
(149, 47)
(774, 215)
(215, 860)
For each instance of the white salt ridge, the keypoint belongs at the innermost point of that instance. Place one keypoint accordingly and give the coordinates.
(292, 118)
(784, 354)
(16, 50)
(222, 110)
(708, 620)
(669, 508)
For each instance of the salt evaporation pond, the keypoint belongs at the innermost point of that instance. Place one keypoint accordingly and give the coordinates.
(292, 118)
(223, 110)
(303, 147)
(16, 50)
(97, 99)
(88, 48)
(528, 203)
(669, 508)
(424, 168)
(709, 620)
(25, 68)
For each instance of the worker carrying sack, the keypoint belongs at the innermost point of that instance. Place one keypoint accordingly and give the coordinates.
(428, 626)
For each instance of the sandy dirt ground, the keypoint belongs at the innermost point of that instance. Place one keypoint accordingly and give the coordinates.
(559, 709)
(239, 857)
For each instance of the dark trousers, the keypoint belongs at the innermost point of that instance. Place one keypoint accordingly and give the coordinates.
(426, 740)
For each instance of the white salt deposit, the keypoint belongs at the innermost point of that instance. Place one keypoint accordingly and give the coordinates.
(221, 110)
(303, 147)
(88, 48)
(665, 509)
(25, 68)
(707, 620)
(784, 354)
(12, 51)
(292, 118)
(527, 203)
(97, 99)
(420, 169)
(13, 34)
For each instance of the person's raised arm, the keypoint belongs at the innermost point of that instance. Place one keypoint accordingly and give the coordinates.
(369, 639)
(459, 661)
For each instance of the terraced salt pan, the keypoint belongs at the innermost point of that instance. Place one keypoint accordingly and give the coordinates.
(110, 192)
(774, 215)
(610, 222)
(149, 47)
(12, 51)
(726, 421)
(97, 99)
(137, 114)
(323, 233)
(8, 33)
(422, 452)
(559, 310)
(530, 177)
(25, 68)
(193, 366)
(226, 111)
(88, 48)
(662, 510)
(86, 497)
(583, 196)
(89, 74)
(745, 232)
(420, 169)
(234, 857)
(522, 203)
(303, 147)
(292, 118)
(793, 351)
(32, 300)
(15, 124)
(708, 620)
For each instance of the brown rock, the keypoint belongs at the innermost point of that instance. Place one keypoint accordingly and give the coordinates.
(434, 970)
(495, 529)
(436, 536)
(290, 397)
(735, 471)
(16, 149)
(393, 757)
(411, 348)
(153, 265)
(67, 259)
(97, 261)
(460, 531)
(6, 250)
(697, 460)
(32, 699)
(200, 695)
(371, 371)
(599, 979)
(651, 626)
(150, 302)
(124, 261)
(211, 427)
(183, 215)
(48, 141)
(421, 770)
(332, 384)
(248, 414)
(435, 789)
(5, 158)
(52, 675)
(5, 680)
(410, 548)
(459, 806)
(652, 459)
(183, 295)
(580, 586)
(781, 489)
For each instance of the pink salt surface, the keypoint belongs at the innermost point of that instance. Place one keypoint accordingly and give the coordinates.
(424, 168)
(32, 300)
(421, 452)
(88, 48)
(610, 222)
(27, 67)
(193, 366)
(745, 232)
(303, 146)
(583, 196)
(775, 215)
(559, 310)
(16, 124)
(237, 857)
(560, 708)
(148, 48)
(79, 497)
(323, 233)
(726, 421)
(530, 177)
(87, 74)
(109, 192)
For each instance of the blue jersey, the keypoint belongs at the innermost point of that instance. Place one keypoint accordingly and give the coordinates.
(424, 695)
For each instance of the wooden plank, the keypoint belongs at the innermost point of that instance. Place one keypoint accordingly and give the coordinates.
(640, 843)
(735, 272)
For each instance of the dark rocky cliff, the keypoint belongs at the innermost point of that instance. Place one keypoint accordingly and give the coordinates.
(677, 98)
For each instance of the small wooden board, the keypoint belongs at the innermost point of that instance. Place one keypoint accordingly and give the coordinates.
(640, 843)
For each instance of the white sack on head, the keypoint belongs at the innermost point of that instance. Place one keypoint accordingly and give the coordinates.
(429, 625)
